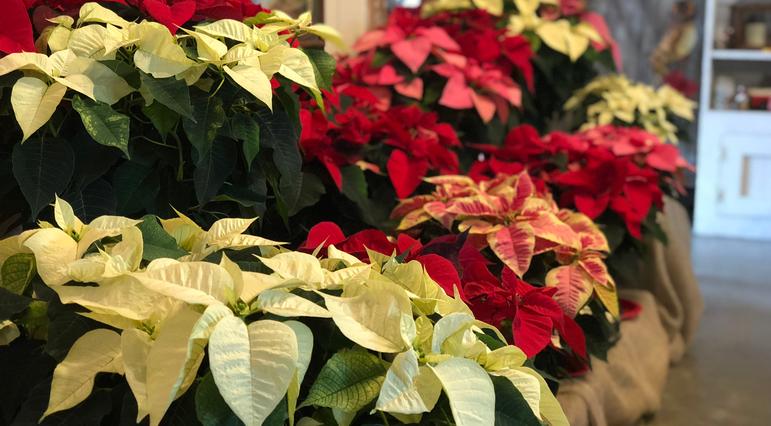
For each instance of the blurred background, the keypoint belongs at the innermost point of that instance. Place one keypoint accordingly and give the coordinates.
(717, 52)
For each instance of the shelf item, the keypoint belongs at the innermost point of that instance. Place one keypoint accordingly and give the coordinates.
(750, 22)
(760, 98)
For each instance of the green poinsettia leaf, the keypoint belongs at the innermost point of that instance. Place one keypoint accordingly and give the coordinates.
(246, 130)
(324, 66)
(278, 134)
(107, 126)
(171, 92)
(210, 408)
(92, 200)
(350, 380)
(208, 118)
(157, 242)
(136, 187)
(42, 169)
(162, 117)
(511, 409)
(125, 71)
(11, 304)
(17, 272)
(312, 190)
(214, 169)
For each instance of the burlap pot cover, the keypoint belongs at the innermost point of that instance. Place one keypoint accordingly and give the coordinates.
(667, 272)
(629, 385)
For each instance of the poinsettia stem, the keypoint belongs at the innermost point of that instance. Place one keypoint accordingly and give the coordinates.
(181, 167)
(219, 86)
(54, 130)
(385, 419)
(153, 141)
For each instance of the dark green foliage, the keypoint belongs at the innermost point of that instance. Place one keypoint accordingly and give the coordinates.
(208, 152)
(210, 408)
(511, 409)
(157, 243)
(42, 168)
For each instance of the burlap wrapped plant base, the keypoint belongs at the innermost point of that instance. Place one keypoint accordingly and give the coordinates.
(668, 275)
(630, 384)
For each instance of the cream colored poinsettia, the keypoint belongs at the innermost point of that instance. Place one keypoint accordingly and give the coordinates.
(614, 98)
(169, 313)
(77, 49)
(561, 35)
(430, 7)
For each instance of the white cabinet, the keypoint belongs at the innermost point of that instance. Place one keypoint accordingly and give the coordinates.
(733, 179)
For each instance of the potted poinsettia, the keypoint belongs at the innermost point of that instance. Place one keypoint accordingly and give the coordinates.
(169, 322)
(485, 65)
(617, 176)
(614, 99)
(370, 154)
(527, 239)
(132, 107)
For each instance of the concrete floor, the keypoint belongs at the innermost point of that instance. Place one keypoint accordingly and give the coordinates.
(726, 377)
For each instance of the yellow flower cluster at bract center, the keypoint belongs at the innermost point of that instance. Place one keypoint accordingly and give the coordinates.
(614, 98)
(248, 54)
(169, 311)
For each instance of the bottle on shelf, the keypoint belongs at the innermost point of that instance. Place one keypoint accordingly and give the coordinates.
(755, 33)
(741, 99)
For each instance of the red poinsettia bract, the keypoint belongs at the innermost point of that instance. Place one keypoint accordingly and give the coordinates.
(467, 50)
(17, 31)
(622, 169)
(419, 143)
(533, 313)
(438, 268)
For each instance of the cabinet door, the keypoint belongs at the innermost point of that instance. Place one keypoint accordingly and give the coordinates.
(745, 187)
(733, 177)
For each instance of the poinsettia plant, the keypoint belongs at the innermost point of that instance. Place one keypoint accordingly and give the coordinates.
(170, 321)
(482, 66)
(403, 142)
(624, 170)
(119, 115)
(614, 99)
(616, 176)
(534, 240)
(25, 18)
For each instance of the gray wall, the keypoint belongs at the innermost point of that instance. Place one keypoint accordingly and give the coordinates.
(638, 26)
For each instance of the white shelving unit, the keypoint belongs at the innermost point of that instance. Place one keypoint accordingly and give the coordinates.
(741, 55)
(733, 180)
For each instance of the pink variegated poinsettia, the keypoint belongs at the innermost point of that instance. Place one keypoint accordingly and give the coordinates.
(508, 218)
(507, 215)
